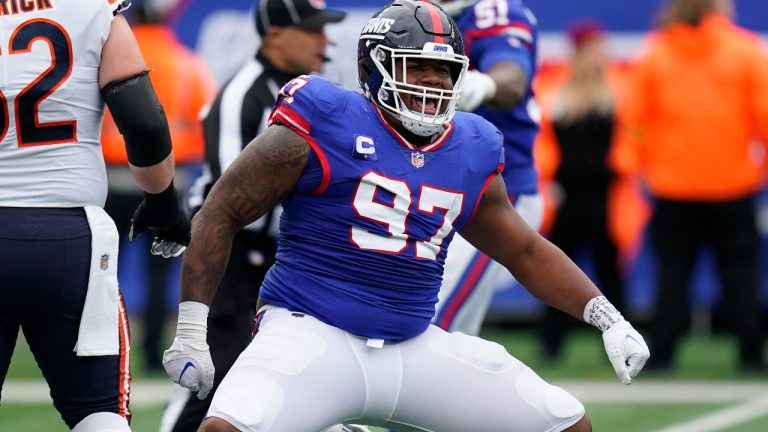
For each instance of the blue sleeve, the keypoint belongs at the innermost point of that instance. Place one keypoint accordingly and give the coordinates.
(295, 105)
(306, 100)
(307, 105)
(495, 138)
(488, 51)
(312, 176)
(502, 157)
(505, 31)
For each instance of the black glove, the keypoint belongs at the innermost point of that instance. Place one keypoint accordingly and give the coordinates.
(163, 214)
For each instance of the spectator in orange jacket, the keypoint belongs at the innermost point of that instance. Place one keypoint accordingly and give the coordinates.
(699, 100)
(183, 87)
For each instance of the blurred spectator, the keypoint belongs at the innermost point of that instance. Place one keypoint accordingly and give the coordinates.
(698, 98)
(183, 87)
(582, 130)
(293, 43)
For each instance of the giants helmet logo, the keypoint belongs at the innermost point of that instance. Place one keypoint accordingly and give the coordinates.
(378, 25)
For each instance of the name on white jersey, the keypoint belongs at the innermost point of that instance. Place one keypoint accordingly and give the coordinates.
(15, 7)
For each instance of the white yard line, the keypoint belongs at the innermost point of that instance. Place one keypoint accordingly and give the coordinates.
(749, 399)
(722, 419)
(143, 392)
(664, 391)
(156, 391)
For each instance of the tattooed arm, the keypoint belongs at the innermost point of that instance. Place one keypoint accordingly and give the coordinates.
(262, 175)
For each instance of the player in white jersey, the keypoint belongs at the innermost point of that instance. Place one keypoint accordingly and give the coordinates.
(61, 61)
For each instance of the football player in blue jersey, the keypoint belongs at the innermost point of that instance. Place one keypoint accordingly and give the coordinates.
(374, 186)
(500, 38)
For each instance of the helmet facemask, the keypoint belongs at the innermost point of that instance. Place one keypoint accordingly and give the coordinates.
(389, 96)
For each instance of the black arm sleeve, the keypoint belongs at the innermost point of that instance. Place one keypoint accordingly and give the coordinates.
(140, 118)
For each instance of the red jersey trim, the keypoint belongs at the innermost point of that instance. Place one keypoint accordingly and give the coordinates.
(434, 145)
(482, 193)
(298, 124)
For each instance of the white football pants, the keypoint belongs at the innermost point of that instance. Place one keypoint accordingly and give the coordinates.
(302, 375)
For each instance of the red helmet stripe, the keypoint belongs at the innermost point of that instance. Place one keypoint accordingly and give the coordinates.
(437, 23)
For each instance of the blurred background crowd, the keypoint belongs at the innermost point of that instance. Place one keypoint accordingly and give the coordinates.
(644, 208)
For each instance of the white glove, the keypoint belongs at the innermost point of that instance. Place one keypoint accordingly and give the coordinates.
(476, 89)
(188, 361)
(626, 348)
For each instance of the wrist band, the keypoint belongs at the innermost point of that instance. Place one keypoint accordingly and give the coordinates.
(601, 313)
(193, 317)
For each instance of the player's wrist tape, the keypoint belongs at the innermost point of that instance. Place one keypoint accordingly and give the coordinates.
(192, 325)
(601, 313)
(165, 202)
(140, 118)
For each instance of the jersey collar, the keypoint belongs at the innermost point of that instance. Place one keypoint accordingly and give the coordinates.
(437, 141)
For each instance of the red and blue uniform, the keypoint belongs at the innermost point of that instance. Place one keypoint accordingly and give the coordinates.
(383, 211)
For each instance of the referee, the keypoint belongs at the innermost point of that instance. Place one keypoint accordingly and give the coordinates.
(293, 43)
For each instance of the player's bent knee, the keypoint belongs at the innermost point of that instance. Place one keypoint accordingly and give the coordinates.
(215, 424)
(560, 406)
(583, 425)
(245, 408)
(102, 422)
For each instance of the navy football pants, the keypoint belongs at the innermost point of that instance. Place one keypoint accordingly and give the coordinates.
(44, 266)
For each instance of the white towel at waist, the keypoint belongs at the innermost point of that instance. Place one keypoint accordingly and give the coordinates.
(99, 332)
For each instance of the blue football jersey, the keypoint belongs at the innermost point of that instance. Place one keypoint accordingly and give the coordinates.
(505, 30)
(363, 237)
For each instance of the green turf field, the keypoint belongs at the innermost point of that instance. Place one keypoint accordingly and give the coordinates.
(704, 393)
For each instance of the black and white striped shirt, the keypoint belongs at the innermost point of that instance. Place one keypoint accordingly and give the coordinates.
(239, 112)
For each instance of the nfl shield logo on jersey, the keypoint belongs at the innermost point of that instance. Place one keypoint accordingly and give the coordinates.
(417, 159)
(104, 262)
